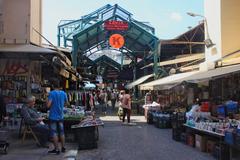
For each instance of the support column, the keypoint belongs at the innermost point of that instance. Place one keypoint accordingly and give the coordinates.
(145, 63)
(58, 36)
(122, 58)
(156, 58)
(74, 53)
(135, 89)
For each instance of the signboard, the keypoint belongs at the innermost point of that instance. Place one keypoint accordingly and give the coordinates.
(116, 25)
(14, 67)
(116, 41)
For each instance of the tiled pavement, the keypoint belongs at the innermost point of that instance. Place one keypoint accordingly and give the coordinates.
(117, 142)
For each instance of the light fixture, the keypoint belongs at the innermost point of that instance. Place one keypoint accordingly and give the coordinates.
(208, 42)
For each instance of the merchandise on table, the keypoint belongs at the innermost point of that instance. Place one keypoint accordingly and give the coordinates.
(89, 122)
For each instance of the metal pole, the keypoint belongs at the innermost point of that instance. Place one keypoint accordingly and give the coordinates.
(122, 58)
(135, 77)
(74, 53)
(156, 58)
(58, 36)
(145, 63)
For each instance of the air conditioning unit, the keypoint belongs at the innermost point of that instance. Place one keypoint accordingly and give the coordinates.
(205, 66)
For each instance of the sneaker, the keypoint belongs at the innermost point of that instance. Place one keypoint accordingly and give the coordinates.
(54, 151)
(63, 149)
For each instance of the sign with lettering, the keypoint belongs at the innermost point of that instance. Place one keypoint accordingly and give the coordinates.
(116, 25)
(116, 41)
(14, 67)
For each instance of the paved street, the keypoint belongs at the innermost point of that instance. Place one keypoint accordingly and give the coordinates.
(141, 142)
(118, 142)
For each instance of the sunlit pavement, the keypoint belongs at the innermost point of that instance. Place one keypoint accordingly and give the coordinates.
(138, 141)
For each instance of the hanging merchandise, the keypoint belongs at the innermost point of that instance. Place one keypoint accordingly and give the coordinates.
(67, 84)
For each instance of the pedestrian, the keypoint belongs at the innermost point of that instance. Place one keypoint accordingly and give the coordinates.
(126, 105)
(103, 101)
(33, 118)
(148, 98)
(57, 99)
(3, 113)
(113, 98)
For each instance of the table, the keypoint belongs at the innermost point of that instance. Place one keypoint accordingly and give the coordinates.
(218, 136)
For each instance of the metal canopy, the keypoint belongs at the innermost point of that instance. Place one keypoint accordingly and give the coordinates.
(87, 35)
(190, 42)
(108, 62)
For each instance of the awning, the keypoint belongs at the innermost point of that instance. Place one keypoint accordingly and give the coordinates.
(194, 77)
(213, 74)
(172, 79)
(159, 87)
(186, 58)
(138, 81)
(26, 48)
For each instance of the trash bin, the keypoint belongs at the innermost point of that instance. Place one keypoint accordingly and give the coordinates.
(86, 137)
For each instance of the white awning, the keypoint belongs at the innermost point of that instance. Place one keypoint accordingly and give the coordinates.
(138, 81)
(172, 79)
(195, 77)
(211, 74)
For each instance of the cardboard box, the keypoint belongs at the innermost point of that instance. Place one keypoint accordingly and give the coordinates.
(210, 146)
(200, 142)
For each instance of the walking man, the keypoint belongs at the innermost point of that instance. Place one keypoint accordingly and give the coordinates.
(113, 99)
(56, 101)
(126, 105)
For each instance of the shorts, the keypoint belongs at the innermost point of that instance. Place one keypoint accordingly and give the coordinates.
(56, 128)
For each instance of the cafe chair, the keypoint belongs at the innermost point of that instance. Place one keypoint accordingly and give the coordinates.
(28, 131)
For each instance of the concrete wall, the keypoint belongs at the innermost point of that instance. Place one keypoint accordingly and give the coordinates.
(230, 26)
(223, 18)
(17, 19)
(212, 12)
(36, 21)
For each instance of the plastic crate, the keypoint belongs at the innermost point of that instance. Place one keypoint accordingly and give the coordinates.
(149, 118)
(205, 107)
(222, 152)
(237, 140)
(184, 138)
(232, 107)
(176, 134)
(229, 138)
(221, 110)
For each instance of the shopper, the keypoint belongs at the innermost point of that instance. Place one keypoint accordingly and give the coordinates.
(113, 98)
(148, 98)
(56, 101)
(126, 105)
(3, 114)
(32, 117)
(103, 101)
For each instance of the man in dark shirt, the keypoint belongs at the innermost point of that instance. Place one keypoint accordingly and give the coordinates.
(31, 117)
(2, 108)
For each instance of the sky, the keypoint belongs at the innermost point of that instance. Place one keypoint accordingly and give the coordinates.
(168, 17)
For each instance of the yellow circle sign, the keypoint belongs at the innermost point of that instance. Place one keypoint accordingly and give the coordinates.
(116, 41)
